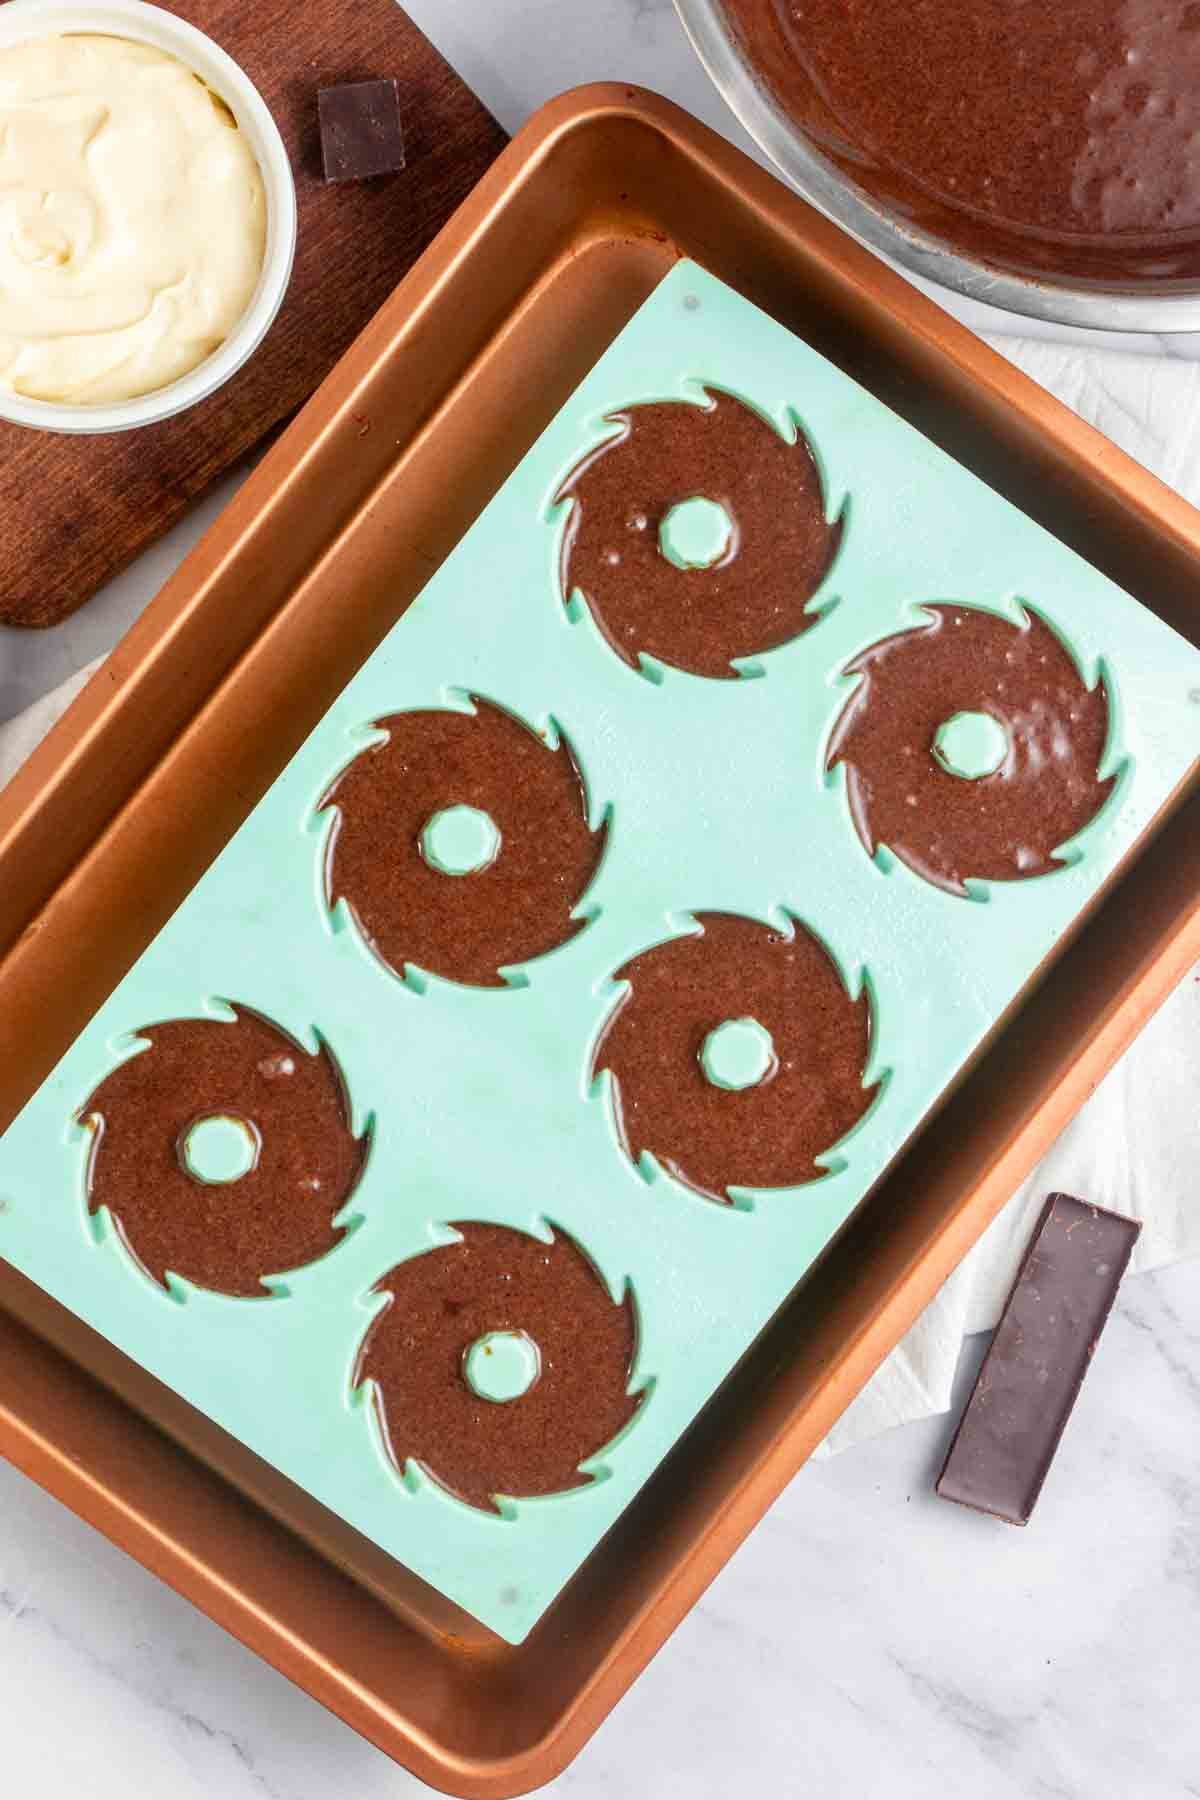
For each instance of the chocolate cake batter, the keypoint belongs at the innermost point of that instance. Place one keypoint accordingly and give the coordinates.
(753, 598)
(465, 927)
(1005, 826)
(763, 1136)
(1049, 138)
(499, 1280)
(223, 1235)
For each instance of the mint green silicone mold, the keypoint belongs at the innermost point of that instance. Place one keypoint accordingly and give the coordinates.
(481, 1100)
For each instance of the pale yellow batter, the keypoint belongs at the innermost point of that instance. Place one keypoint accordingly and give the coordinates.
(132, 220)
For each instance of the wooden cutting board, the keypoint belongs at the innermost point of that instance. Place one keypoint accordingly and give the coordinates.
(73, 511)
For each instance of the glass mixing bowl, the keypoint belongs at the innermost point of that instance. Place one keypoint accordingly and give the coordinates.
(868, 218)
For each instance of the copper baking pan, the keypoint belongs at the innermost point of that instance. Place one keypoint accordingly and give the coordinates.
(162, 756)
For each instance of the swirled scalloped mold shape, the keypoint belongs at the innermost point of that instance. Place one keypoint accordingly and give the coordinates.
(747, 590)
(516, 895)
(772, 1128)
(231, 1229)
(452, 1300)
(1010, 822)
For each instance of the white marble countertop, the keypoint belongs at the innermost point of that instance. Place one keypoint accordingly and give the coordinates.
(869, 1642)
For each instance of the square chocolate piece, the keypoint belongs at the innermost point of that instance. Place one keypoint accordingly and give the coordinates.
(361, 133)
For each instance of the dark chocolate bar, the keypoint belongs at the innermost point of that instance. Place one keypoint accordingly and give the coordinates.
(361, 133)
(1033, 1371)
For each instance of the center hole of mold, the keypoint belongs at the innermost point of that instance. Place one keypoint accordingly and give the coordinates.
(462, 840)
(220, 1148)
(502, 1366)
(971, 745)
(695, 533)
(740, 1053)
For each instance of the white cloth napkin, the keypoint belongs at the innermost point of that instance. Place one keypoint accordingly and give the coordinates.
(19, 736)
(1135, 1146)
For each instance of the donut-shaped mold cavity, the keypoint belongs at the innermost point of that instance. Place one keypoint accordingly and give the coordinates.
(922, 777)
(223, 1152)
(645, 546)
(462, 844)
(567, 1350)
(737, 1056)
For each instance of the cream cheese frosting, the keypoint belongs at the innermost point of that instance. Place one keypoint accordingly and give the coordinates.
(132, 219)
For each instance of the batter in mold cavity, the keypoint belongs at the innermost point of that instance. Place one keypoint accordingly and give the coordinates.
(698, 534)
(500, 1364)
(737, 1056)
(973, 747)
(462, 843)
(223, 1152)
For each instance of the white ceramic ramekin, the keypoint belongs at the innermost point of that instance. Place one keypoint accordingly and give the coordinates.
(21, 20)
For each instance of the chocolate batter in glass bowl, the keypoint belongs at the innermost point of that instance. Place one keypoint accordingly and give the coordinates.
(1043, 157)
